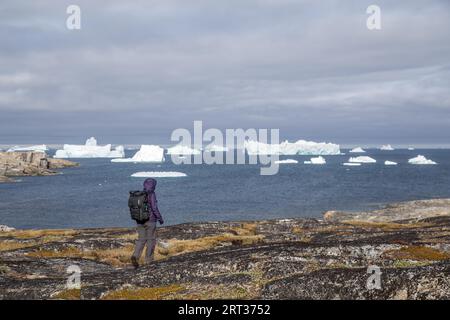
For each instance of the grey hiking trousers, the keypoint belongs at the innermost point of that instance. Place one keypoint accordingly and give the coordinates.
(146, 236)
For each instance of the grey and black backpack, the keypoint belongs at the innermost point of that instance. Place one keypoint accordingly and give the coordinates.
(138, 204)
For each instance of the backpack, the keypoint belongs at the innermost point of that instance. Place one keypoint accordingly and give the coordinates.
(138, 204)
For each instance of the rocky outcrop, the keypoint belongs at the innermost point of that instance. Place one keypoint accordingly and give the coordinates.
(15, 164)
(270, 259)
(409, 212)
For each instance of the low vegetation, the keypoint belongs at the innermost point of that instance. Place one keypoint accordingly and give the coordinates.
(157, 293)
(418, 253)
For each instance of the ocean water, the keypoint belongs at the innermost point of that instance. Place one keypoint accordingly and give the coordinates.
(96, 193)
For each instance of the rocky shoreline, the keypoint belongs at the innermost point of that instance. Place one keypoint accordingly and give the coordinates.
(331, 258)
(31, 163)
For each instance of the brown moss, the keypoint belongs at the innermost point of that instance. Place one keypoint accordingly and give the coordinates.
(213, 292)
(116, 257)
(69, 294)
(156, 293)
(6, 245)
(26, 234)
(246, 229)
(418, 253)
(385, 225)
(177, 247)
(65, 253)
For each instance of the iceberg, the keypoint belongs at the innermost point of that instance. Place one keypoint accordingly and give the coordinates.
(386, 147)
(300, 147)
(357, 150)
(351, 164)
(390, 163)
(182, 150)
(420, 160)
(287, 161)
(363, 159)
(90, 150)
(147, 153)
(410, 148)
(158, 174)
(318, 160)
(39, 148)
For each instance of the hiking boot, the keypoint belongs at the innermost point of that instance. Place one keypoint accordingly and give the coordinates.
(134, 262)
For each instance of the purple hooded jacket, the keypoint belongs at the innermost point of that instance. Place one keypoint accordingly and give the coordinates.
(149, 187)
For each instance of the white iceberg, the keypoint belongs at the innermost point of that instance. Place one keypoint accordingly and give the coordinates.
(147, 153)
(357, 150)
(317, 160)
(390, 163)
(216, 148)
(351, 164)
(300, 147)
(39, 148)
(386, 147)
(362, 159)
(182, 150)
(158, 174)
(410, 148)
(420, 160)
(90, 150)
(287, 161)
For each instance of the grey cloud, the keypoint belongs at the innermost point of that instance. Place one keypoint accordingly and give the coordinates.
(310, 68)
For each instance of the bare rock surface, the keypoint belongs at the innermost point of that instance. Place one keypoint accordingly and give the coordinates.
(270, 259)
(410, 211)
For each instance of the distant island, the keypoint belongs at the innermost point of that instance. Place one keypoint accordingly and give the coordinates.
(29, 163)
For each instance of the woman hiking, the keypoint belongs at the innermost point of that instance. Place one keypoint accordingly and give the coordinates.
(147, 229)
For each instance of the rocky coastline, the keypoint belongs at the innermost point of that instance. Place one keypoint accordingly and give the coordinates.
(405, 245)
(30, 163)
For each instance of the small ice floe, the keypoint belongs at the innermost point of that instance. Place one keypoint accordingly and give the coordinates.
(387, 147)
(410, 148)
(158, 174)
(390, 163)
(37, 148)
(351, 164)
(421, 160)
(362, 159)
(317, 160)
(357, 150)
(287, 161)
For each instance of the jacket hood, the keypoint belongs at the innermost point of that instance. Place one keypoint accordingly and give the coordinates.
(149, 185)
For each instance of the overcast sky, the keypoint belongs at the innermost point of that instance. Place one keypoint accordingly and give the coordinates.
(139, 69)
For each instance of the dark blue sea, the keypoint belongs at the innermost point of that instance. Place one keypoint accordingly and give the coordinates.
(96, 193)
